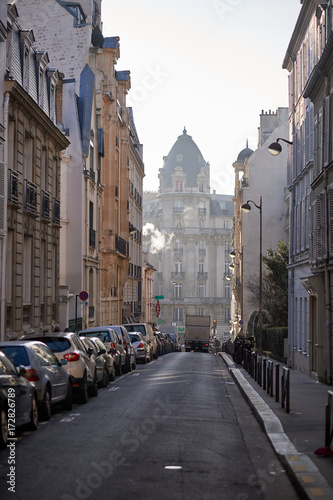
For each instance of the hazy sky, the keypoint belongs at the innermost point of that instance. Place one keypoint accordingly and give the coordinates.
(208, 65)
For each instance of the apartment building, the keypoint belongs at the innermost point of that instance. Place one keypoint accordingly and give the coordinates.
(188, 237)
(308, 60)
(31, 146)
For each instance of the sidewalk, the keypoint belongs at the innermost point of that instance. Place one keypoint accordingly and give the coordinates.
(294, 436)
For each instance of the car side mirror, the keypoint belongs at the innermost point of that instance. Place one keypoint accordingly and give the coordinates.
(90, 351)
(102, 351)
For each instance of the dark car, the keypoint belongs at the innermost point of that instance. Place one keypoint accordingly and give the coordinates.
(18, 401)
(128, 346)
(44, 371)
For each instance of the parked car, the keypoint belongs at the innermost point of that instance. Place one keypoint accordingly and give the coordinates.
(15, 392)
(108, 358)
(142, 350)
(101, 368)
(146, 330)
(80, 366)
(44, 371)
(159, 344)
(126, 340)
(113, 343)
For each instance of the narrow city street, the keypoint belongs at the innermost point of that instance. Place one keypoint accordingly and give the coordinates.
(174, 429)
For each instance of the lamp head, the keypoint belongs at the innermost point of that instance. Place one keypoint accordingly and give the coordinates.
(231, 266)
(275, 148)
(232, 254)
(246, 207)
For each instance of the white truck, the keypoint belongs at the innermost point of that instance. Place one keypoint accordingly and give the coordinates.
(197, 333)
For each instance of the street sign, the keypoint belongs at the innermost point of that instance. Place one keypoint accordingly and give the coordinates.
(159, 321)
(83, 295)
(159, 297)
(158, 308)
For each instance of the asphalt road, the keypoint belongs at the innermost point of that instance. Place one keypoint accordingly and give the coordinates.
(174, 429)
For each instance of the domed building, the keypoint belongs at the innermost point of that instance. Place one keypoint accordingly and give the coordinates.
(188, 233)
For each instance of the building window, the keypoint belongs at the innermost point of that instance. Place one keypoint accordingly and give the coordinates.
(227, 290)
(179, 186)
(27, 269)
(178, 314)
(201, 311)
(178, 267)
(201, 290)
(227, 315)
(178, 290)
(201, 267)
(179, 158)
(201, 186)
(178, 207)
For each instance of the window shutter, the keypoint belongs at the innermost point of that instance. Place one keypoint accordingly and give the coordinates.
(2, 198)
(330, 222)
(319, 222)
(311, 132)
(326, 134)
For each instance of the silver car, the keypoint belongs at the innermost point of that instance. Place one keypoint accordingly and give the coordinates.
(113, 343)
(109, 372)
(44, 371)
(80, 366)
(142, 349)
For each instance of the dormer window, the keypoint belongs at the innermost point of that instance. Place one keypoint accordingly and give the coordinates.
(179, 186)
(75, 10)
(201, 186)
(179, 158)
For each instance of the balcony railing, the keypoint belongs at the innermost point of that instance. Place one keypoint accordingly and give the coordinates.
(121, 245)
(45, 205)
(30, 197)
(201, 211)
(178, 274)
(202, 251)
(202, 275)
(56, 211)
(13, 187)
(92, 238)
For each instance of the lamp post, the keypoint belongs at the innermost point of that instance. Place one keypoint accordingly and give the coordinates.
(246, 208)
(173, 282)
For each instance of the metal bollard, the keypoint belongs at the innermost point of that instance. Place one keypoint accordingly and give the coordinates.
(277, 382)
(264, 374)
(329, 420)
(285, 399)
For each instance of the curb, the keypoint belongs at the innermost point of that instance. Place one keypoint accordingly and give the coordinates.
(302, 471)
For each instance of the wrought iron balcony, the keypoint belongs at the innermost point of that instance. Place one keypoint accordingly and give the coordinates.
(202, 275)
(45, 205)
(179, 274)
(13, 187)
(56, 211)
(30, 197)
(92, 238)
(121, 245)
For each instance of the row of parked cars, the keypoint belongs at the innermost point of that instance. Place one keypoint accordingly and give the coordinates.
(39, 371)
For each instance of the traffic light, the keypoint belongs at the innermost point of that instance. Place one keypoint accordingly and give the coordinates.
(214, 322)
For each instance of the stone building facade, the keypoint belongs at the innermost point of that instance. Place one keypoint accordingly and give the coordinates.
(310, 65)
(188, 236)
(31, 159)
(258, 176)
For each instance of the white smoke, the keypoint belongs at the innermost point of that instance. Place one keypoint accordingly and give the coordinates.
(156, 240)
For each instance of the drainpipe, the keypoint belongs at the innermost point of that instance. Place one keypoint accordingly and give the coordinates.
(4, 240)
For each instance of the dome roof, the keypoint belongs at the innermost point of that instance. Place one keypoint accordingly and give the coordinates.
(245, 153)
(185, 154)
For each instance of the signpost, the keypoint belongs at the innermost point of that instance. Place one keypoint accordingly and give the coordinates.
(158, 308)
(82, 296)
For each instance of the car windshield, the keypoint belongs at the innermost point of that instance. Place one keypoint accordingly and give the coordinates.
(56, 344)
(104, 336)
(17, 355)
(136, 328)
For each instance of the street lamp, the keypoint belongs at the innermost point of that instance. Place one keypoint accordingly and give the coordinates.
(173, 282)
(275, 148)
(246, 208)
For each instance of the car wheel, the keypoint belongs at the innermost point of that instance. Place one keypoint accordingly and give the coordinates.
(106, 378)
(33, 424)
(45, 409)
(113, 374)
(93, 390)
(4, 429)
(67, 404)
(83, 391)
